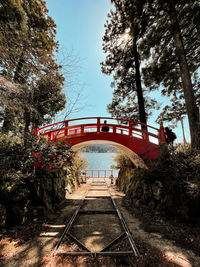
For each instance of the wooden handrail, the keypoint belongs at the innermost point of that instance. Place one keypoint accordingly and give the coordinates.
(65, 126)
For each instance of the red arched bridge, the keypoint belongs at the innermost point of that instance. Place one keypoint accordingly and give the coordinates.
(137, 140)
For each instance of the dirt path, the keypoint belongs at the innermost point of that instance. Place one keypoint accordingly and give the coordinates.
(94, 232)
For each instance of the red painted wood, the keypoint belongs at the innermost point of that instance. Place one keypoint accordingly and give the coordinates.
(124, 132)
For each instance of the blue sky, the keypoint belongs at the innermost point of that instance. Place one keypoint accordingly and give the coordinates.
(80, 28)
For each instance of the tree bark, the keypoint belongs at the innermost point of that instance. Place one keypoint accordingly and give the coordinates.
(182, 126)
(27, 121)
(142, 113)
(9, 116)
(190, 101)
(8, 121)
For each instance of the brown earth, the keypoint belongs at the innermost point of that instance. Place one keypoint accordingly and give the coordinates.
(32, 245)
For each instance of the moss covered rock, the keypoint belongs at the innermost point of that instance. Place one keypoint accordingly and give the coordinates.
(23, 199)
(2, 215)
(170, 196)
(14, 197)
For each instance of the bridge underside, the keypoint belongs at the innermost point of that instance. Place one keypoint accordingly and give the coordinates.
(136, 149)
(126, 135)
(136, 160)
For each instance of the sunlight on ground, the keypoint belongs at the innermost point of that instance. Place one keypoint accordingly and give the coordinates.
(177, 258)
(49, 234)
(94, 241)
(55, 233)
(54, 226)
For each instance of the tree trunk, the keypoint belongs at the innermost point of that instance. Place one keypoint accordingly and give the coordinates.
(142, 113)
(182, 126)
(191, 106)
(8, 121)
(27, 121)
(18, 78)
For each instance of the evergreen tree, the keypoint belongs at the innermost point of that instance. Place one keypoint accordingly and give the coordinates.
(171, 44)
(27, 48)
(124, 28)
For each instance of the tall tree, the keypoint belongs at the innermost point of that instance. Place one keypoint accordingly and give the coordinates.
(28, 49)
(172, 45)
(120, 42)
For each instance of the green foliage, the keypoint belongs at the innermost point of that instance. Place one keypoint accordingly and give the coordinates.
(31, 84)
(47, 98)
(13, 157)
(27, 52)
(18, 161)
(34, 177)
(123, 29)
(179, 163)
(171, 50)
(170, 186)
(163, 38)
(176, 111)
(122, 161)
(51, 155)
(158, 45)
(79, 165)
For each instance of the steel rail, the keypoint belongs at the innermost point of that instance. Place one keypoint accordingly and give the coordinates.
(126, 233)
(78, 241)
(104, 253)
(134, 248)
(69, 224)
(113, 241)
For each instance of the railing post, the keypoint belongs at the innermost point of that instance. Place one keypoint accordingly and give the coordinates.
(82, 129)
(98, 125)
(145, 136)
(66, 128)
(161, 134)
(130, 128)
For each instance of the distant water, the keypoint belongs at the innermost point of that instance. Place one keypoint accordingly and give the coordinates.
(100, 161)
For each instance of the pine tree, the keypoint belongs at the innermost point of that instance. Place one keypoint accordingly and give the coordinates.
(171, 44)
(124, 28)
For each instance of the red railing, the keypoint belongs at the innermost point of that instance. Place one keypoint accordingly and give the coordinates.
(98, 173)
(88, 125)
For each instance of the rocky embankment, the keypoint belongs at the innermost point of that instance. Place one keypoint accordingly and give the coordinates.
(22, 200)
(167, 206)
(170, 196)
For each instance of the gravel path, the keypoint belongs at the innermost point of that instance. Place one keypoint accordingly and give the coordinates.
(94, 231)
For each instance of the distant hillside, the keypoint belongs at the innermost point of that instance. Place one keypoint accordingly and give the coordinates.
(100, 148)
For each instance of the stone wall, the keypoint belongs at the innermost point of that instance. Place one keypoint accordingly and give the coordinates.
(168, 196)
(24, 199)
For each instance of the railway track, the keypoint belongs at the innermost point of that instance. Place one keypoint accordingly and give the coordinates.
(97, 216)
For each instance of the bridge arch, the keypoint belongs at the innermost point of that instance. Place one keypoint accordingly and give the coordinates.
(137, 140)
(136, 160)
